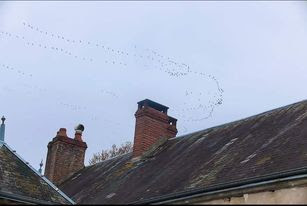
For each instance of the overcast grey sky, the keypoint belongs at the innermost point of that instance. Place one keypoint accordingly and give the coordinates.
(64, 63)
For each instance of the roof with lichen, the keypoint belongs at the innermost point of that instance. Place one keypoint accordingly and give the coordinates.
(19, 182)
(264, 144)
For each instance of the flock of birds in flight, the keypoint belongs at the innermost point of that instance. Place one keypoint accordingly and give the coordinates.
(155, 61)
(20, 72)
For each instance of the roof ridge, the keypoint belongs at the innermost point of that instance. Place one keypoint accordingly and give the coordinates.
(242, 119)
(108, 159)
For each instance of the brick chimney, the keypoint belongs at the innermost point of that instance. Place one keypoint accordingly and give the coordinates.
(152, 123)
(65, 155)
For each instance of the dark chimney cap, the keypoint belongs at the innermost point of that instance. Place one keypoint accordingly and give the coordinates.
(152, 104)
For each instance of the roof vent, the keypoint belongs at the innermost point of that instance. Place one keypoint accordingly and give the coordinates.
(79, 128)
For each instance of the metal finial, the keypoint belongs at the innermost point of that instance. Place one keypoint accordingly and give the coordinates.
(3, 119)
(40, 167)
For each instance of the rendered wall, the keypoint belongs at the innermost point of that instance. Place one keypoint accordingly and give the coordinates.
(295, 195)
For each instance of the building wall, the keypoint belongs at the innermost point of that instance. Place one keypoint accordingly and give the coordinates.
(294, 195)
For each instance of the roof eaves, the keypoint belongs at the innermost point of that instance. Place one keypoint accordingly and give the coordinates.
(235, 185)
(39, 174)
(23, 199)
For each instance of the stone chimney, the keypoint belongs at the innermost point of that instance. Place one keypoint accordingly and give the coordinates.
(152, 123)
(65, 155)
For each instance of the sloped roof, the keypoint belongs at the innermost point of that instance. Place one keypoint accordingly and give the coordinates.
(264, 144)
(20, 182)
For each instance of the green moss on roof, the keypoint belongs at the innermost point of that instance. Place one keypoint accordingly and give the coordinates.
(267, 143)
(17, 179)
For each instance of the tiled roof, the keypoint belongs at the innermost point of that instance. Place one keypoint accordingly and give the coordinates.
(264, 144)
(20, 182)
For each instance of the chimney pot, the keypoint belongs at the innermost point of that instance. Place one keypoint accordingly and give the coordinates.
(62, 132)
(78, 136)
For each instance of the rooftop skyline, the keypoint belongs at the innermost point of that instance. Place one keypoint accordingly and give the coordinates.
(65, 63)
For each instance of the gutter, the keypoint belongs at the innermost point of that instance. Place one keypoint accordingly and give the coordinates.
(231, 186)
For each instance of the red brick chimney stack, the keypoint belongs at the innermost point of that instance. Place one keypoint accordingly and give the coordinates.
(152, 123)
(65, 156)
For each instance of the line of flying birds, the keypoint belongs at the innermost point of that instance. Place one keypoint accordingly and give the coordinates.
(156, 61)
(20, 72)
